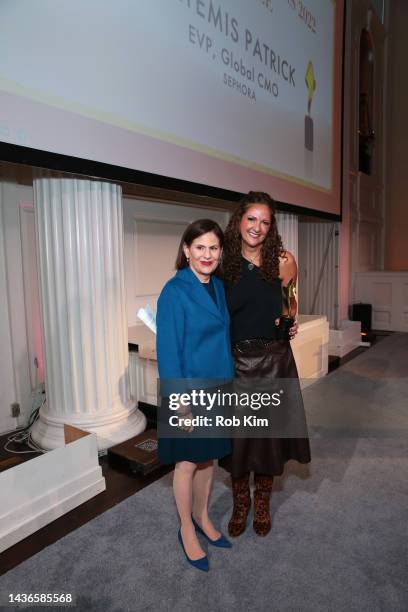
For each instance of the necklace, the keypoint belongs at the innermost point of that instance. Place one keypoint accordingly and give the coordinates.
(251, 264)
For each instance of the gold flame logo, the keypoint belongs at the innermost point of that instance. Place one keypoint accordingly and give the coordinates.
(310, 84)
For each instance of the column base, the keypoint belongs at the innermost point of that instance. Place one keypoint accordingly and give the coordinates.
(48, 431)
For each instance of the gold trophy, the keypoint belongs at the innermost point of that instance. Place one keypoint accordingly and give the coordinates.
(311, 88)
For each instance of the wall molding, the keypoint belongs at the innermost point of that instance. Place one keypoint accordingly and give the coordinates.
(387, 292)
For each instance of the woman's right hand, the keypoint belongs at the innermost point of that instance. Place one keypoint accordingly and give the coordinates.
(292, 330)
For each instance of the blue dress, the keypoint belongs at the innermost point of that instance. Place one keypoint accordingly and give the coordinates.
(193, 342)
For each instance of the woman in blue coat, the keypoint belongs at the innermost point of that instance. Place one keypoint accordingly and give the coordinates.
(193, 344)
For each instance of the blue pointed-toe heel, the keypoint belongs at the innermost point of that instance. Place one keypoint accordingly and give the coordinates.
(201, 564)
(222, 541)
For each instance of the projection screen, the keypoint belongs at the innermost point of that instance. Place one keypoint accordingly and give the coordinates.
(229, 94)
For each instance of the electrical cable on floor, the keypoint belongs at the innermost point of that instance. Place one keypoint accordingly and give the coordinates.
(23, 434)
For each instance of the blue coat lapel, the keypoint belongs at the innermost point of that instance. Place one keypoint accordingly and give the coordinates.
(200, 294)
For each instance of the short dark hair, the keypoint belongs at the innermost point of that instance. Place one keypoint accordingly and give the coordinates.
(195, 230)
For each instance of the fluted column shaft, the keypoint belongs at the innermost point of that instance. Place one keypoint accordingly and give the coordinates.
(79, 231)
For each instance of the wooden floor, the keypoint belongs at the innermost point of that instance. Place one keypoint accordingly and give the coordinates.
(120, 484)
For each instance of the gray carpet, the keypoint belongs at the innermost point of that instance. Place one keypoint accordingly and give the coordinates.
(339, 539)
(367, 397)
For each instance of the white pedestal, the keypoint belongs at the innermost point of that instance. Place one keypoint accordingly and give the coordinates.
(39, 491)
(345, 339)
(310, 348)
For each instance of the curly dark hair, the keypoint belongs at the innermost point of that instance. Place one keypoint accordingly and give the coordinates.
(271, 249)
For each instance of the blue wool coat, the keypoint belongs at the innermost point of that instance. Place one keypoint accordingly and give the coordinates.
(193, 342)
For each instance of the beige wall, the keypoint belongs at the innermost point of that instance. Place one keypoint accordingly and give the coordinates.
(396, 239)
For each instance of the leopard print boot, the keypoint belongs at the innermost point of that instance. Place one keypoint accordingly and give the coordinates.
(242, 504)
(262, 494)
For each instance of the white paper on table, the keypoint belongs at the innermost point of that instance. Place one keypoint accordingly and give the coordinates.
(148, 316)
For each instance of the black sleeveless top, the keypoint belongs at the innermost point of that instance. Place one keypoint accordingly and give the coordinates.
(254, 304)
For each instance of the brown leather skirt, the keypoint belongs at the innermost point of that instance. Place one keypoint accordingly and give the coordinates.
(267, 361)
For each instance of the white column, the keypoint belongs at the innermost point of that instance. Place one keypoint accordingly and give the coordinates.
(79, 231)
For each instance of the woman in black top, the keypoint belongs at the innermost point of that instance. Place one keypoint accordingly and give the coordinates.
(256, 268)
